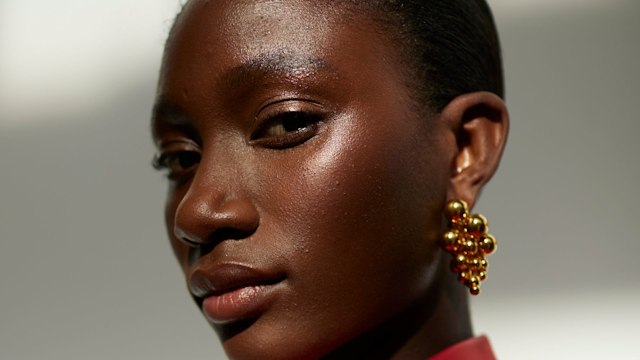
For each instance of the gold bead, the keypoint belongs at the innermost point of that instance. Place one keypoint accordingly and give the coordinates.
(477, 224)
(463, 276)
(482, 275)
(468, 241)
(469, 247)
(484, 264)
(455, 209)
(474, 262)
(488, 244)
(459, 263)
(449, 240)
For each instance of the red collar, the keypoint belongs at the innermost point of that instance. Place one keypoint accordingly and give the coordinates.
(477, 348)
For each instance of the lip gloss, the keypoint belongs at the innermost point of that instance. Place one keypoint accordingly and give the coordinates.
(237, 304)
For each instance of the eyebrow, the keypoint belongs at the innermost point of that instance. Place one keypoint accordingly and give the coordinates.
(293, 67)
(245, 75)
(166, 113)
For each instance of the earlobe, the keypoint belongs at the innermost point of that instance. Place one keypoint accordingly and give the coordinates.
(480, 122)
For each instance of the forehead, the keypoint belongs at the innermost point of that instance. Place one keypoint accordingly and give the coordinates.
(232, 32)
(211, 36)
(261, 23)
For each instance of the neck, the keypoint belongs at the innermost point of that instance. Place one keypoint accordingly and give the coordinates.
(436, 321)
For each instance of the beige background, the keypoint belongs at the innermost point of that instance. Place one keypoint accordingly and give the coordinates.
(86, 272)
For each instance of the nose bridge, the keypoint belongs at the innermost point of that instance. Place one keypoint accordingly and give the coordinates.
(216, 205)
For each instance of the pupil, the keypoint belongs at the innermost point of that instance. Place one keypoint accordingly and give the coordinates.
(295, 121)
(292, 122)
(189, 159)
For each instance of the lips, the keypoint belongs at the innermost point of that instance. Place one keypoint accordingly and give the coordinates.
(231, 291)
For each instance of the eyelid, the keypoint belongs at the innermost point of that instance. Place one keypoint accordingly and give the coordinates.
(165, 145)
(276, 106)
(172, 147)
(310, 113)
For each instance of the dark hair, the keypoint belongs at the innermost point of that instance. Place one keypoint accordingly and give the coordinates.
(451, 45)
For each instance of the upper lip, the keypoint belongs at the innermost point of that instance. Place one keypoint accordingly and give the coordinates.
(217, 279)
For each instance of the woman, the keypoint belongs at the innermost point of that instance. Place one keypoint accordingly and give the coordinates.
(311, 147)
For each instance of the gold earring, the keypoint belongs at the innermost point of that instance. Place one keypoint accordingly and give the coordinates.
(468, 242)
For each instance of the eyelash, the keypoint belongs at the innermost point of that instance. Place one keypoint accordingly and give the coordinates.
(177, 162)
(287, 129)
(283, 130)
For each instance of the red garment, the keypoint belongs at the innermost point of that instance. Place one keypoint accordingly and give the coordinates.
(477, 348)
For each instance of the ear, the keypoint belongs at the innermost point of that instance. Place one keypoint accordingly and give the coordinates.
(480, 122)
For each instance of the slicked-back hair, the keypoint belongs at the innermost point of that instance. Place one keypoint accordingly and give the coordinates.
(451, 46)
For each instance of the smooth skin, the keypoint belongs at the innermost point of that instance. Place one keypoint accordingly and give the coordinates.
(293, 147)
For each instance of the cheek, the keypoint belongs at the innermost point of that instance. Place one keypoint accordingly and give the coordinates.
(371, 187)
(356, 215)
(370, 200)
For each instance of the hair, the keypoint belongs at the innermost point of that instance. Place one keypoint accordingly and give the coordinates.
(451, 46)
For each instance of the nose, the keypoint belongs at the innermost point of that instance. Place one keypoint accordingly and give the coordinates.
(208, 215)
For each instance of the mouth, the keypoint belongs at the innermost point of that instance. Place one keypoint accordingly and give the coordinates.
(230, 292)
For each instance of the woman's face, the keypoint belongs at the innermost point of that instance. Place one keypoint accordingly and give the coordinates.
(305, 188)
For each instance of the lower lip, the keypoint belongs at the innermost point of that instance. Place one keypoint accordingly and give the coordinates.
(242, 303)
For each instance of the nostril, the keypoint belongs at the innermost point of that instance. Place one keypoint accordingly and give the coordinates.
(198, 250)
(189, 242)
(217, 237)
(229, 233)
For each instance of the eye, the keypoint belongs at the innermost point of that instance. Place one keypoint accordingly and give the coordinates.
(287, 129)
(177, 163)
